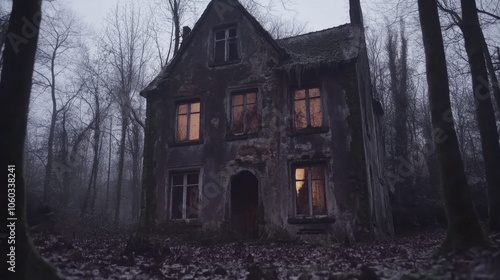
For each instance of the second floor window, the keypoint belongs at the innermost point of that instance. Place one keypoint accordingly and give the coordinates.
(226, 45)
(188, 122)
(244, 117)
(307, 108)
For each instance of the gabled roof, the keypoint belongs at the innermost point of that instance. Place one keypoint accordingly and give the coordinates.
(231, 3)
(326, 47)
(329, 46)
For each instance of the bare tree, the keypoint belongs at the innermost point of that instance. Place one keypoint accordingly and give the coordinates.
(59, 34)
(127, 42)
(464, 229)
(15, 86)
(484, 109)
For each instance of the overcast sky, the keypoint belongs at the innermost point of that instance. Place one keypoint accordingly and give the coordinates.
(319, 14)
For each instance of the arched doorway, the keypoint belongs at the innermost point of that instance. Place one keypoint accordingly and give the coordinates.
(244, 204)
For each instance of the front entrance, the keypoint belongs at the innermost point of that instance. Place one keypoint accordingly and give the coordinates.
(244, 204)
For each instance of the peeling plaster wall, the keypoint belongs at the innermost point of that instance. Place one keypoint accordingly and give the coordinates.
(341, 144)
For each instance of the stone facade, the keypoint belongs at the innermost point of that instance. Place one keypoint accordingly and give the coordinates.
(261, 136)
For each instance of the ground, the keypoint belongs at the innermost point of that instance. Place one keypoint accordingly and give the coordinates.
(156, 257)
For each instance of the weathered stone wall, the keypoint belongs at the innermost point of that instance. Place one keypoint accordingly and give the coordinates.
(355, 198)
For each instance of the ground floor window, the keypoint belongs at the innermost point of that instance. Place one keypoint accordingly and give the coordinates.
(310, 196)
(184, 198)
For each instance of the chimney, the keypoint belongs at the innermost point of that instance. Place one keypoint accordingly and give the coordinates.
(355, 12)
(185, 32)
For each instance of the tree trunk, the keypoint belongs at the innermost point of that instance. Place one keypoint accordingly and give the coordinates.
(121, 160)
(464, 230)
(484, 108)
(15, 86)
(109, 167)
(50, 143)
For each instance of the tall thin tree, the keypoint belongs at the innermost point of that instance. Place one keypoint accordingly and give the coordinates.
(464, 229)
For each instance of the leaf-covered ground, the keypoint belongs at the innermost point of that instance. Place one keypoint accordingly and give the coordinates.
(172, 258)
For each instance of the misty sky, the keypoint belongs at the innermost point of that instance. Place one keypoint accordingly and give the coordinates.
(319, 14)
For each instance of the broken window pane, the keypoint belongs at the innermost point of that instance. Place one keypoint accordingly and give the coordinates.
(300, 114)
(177, 202)
(226, 45)
(181, 127)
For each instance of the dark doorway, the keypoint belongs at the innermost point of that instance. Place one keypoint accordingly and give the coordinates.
(244, 205)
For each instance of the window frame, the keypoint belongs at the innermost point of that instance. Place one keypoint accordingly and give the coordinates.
(246, 125)
(294, 181)
(230, 92)
(177, 105)
(307, 100)
(170, 203)
(227, 60)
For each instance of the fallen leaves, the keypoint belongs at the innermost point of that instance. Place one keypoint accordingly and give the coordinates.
(159, 257)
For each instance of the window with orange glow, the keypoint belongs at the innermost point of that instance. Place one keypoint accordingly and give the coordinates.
(188, 122)
(185, 195)
(307, 108)
(244, 117)
(310, 191)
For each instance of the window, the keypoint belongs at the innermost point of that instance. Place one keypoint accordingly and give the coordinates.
(244, 117)
(310, 190)
(307, 108)
(188, 122)
(226, 45)
(184, 195)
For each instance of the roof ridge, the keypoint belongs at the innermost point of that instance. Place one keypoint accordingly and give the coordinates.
(317, 31)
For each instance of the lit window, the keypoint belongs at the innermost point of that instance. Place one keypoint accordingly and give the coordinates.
(244, 113)
(226, 45)
(188, 122)
(307, 108)
(310, 191)
(185, 195)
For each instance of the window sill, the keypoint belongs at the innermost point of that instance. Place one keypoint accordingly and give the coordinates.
(310, 130)
(311, 220)
(224, 63)
(187, 143)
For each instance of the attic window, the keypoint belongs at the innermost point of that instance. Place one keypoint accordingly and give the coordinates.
(226, 45)
(307, 108)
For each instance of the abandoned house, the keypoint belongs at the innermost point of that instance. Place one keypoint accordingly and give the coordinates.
(259, 137)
